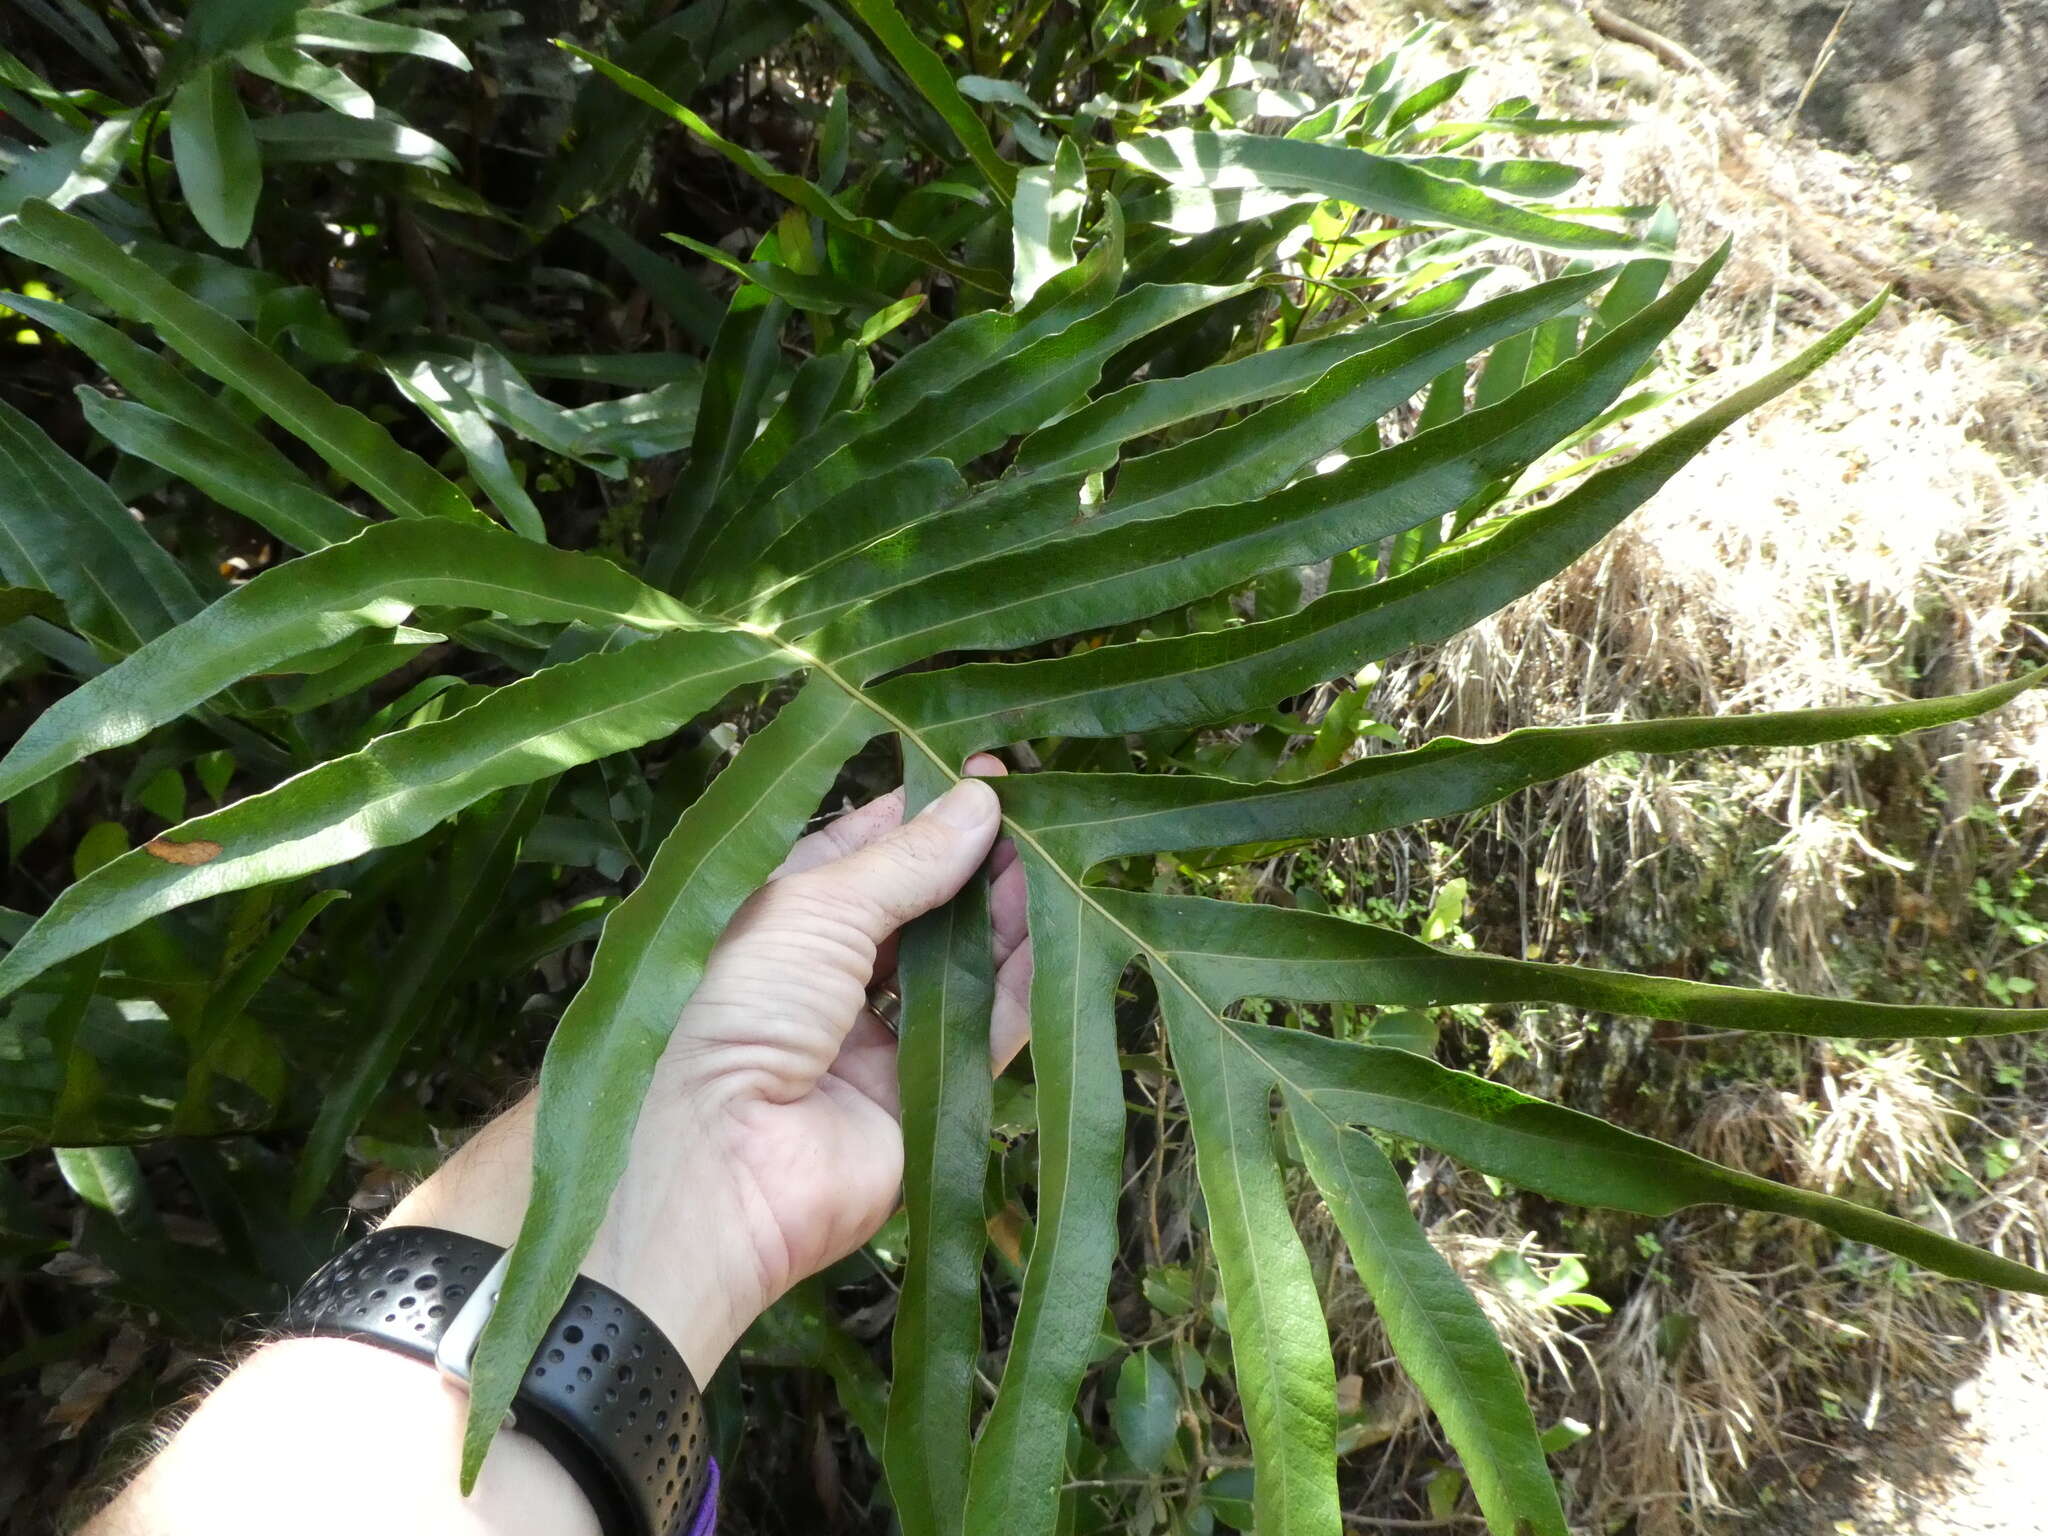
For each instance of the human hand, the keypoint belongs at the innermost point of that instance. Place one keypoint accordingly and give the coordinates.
(769, 1144)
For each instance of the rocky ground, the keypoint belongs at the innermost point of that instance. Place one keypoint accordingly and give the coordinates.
(1973, 1462)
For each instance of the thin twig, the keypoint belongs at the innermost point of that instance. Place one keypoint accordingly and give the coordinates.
(1820, 62)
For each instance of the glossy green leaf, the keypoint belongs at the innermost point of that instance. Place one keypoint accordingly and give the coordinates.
(1226, 674)
(401, 785)
(1382, 183)
(450, 406)
(214, 27)
(1040, 499)
(495, 387)
(151, 378)
(1642, 280)
(334, 27)
(1090, 438)
(948, 987)
(794, 189)
(62, 531)
(350, 442)
(1189, 544)
(262, 487)
(938, 86)
(110, 1179)
(1082, 819)
(320, 137)
(1278, 1343)
(29, 602)
(958, 360)
(1147, 1410)
(817, 293)
(686, 301)
(824, 391)
(1172, 439)
(1517, 178)
(1574, 1157)
(1198, 210)
(1026, 390)
(1427, 99)
(220, 169)
(1016, 391)
(372, 581)
(295, 70)
(71, 168)
(138, 1062)
(1244, 462)
(736, 379)
(1303, 957)
(1020, 1457)
(1045, 220)
(1437, 1329)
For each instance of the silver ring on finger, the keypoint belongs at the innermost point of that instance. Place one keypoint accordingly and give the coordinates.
(886, 1004)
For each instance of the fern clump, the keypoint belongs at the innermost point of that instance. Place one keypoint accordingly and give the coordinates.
(1048, 472)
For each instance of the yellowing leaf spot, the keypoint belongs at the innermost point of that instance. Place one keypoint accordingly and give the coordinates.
(198, 851)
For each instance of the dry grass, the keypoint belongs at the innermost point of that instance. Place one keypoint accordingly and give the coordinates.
(1859, 540)
(2012, 1219)
(1691, 1385)
(1850, 545)
(1886, 1126)
(1757, 1129)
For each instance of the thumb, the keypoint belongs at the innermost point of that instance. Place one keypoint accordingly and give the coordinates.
(914, 868)
(787, 981)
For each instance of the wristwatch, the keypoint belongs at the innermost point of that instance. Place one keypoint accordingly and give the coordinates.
(606, 1393)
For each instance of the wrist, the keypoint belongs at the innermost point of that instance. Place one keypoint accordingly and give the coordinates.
(672, 1241)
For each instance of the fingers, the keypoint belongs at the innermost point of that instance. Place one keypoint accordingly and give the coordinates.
(784, 993)
(1006, 911)
(784, 987)
(858, 828)
(1009, 1025)
(867, 1061)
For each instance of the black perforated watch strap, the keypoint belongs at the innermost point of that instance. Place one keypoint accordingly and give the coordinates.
(606, 1392)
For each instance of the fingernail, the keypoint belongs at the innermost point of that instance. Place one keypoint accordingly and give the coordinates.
(968, 805)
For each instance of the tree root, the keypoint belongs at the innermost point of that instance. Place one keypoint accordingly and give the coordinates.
(1671, 55)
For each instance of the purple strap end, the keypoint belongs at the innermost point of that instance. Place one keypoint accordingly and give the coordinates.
(706, 1518)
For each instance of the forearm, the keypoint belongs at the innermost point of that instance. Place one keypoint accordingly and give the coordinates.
(317, 1435)
(329, 1435)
